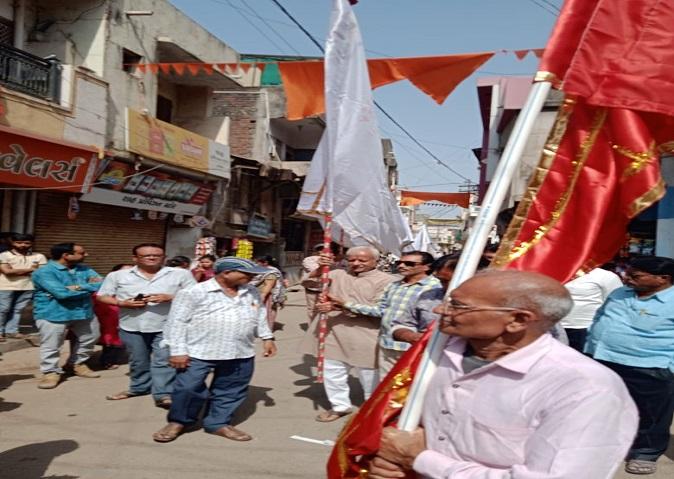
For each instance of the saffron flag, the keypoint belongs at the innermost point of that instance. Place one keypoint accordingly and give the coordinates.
(359, 440)
(600, 166)
(347, 177)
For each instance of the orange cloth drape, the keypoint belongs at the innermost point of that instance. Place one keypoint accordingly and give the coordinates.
(436, 76)
(413, 198)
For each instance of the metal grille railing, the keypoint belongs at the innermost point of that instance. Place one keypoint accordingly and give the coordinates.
(30, 74)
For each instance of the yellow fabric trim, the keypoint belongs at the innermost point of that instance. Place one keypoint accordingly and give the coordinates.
(535, 182)
(639, 159)
(647, 199)
(562, 202)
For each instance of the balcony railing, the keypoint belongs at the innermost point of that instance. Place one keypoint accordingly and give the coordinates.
(30, 74)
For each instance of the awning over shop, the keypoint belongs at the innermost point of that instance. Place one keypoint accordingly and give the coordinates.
(39, 162)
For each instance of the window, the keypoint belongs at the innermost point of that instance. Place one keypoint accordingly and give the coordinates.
(164, 109)
(130, 60)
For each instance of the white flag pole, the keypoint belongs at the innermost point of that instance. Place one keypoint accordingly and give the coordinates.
(470, 256)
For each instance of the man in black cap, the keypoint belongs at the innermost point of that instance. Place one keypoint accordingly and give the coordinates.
(212, 326)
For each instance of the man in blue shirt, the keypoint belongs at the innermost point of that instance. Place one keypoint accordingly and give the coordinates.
(633, 334)
(62, 302)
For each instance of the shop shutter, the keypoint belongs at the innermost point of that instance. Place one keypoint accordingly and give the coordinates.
(107, 232)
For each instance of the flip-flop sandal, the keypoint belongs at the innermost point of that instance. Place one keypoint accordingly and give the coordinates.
(329, 416)
(164, 403)
(636, 466)
(123, 395)
(168, 433)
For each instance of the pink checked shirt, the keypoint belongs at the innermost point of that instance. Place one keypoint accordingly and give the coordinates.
(544, 412)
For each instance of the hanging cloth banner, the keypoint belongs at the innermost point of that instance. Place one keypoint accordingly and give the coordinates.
(436, 76)
(413, 198)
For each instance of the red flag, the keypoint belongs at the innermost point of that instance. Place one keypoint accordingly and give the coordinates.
(360, 438)
(600, 167)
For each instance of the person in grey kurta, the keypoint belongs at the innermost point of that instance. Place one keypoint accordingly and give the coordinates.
(351, 340)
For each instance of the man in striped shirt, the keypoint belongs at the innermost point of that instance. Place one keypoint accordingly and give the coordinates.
(414, 267)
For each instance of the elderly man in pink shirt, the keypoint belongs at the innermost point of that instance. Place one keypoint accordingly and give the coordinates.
(509, 401)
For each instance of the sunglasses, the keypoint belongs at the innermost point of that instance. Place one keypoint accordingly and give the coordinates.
(409, 264)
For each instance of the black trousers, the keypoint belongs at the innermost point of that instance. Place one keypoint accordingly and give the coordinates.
(653, 392)
(576, 338)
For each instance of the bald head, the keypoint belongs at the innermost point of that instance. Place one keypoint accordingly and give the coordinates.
(534, 292)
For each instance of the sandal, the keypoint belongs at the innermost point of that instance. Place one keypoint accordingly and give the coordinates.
(169, 432)
(230, 432)
(330, 415)
(124, 395)
(636, 466)
(164, 403)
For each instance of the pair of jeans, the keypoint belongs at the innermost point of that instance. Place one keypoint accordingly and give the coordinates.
(228, 389)
(653, 392)
(52, 337)
(11, 305)
(149, 368)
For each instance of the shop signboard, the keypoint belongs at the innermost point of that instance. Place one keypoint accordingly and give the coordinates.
(259, 225)
(152, 138)
(118, 184)
(34, 161)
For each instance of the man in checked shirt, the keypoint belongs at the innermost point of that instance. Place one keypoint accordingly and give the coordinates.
(414, 267)
(212, 326)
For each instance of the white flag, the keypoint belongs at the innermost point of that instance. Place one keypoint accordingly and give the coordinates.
(422, 242)
(347, 177)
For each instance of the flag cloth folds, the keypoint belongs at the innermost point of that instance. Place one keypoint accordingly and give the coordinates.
(600, 166)
(422, 242)
(359, 440)
(347, 177)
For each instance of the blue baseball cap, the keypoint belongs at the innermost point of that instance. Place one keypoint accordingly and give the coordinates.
(232, 263)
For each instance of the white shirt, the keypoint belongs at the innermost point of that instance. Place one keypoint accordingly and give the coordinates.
(545, 411)
(19, 261)
(589, 292)
(128, 283)
(205, 323)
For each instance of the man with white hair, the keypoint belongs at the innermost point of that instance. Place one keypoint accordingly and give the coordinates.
(507, 400)
(351, 339)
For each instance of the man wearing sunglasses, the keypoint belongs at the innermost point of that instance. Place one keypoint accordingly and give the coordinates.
(414, 267)
(509, 401)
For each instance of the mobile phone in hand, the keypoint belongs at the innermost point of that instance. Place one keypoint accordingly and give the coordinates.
(139, 297)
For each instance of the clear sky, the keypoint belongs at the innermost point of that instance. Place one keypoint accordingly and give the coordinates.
(403, 28)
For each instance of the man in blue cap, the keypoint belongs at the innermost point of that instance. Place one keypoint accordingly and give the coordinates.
(212, 326)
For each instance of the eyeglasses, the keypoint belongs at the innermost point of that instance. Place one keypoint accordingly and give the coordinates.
(150, 256)
(409, 264)
(454, 308)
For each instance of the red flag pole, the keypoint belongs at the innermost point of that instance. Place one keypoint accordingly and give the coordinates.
(325, 283)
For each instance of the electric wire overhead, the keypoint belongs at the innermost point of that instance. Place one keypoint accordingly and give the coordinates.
(379, 107)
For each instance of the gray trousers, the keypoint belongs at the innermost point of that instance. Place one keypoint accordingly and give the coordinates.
(52, 337)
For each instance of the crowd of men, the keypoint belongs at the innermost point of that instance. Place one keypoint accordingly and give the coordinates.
(510, 398)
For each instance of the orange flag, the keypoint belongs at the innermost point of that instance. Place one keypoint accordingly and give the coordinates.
(600, 167)
(436, 76)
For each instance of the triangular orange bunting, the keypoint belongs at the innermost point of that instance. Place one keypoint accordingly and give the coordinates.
(179, 68)
(154, 68)
(245, 67)
(520, 54)
(538, 52)
(221, 67)
(194, 68)
(165, 68)
(261, 66)
(208, 68)
(141, 67)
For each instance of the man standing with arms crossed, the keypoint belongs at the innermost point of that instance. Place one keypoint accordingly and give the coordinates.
(17, 264)
(63, 289)
(144, 294)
